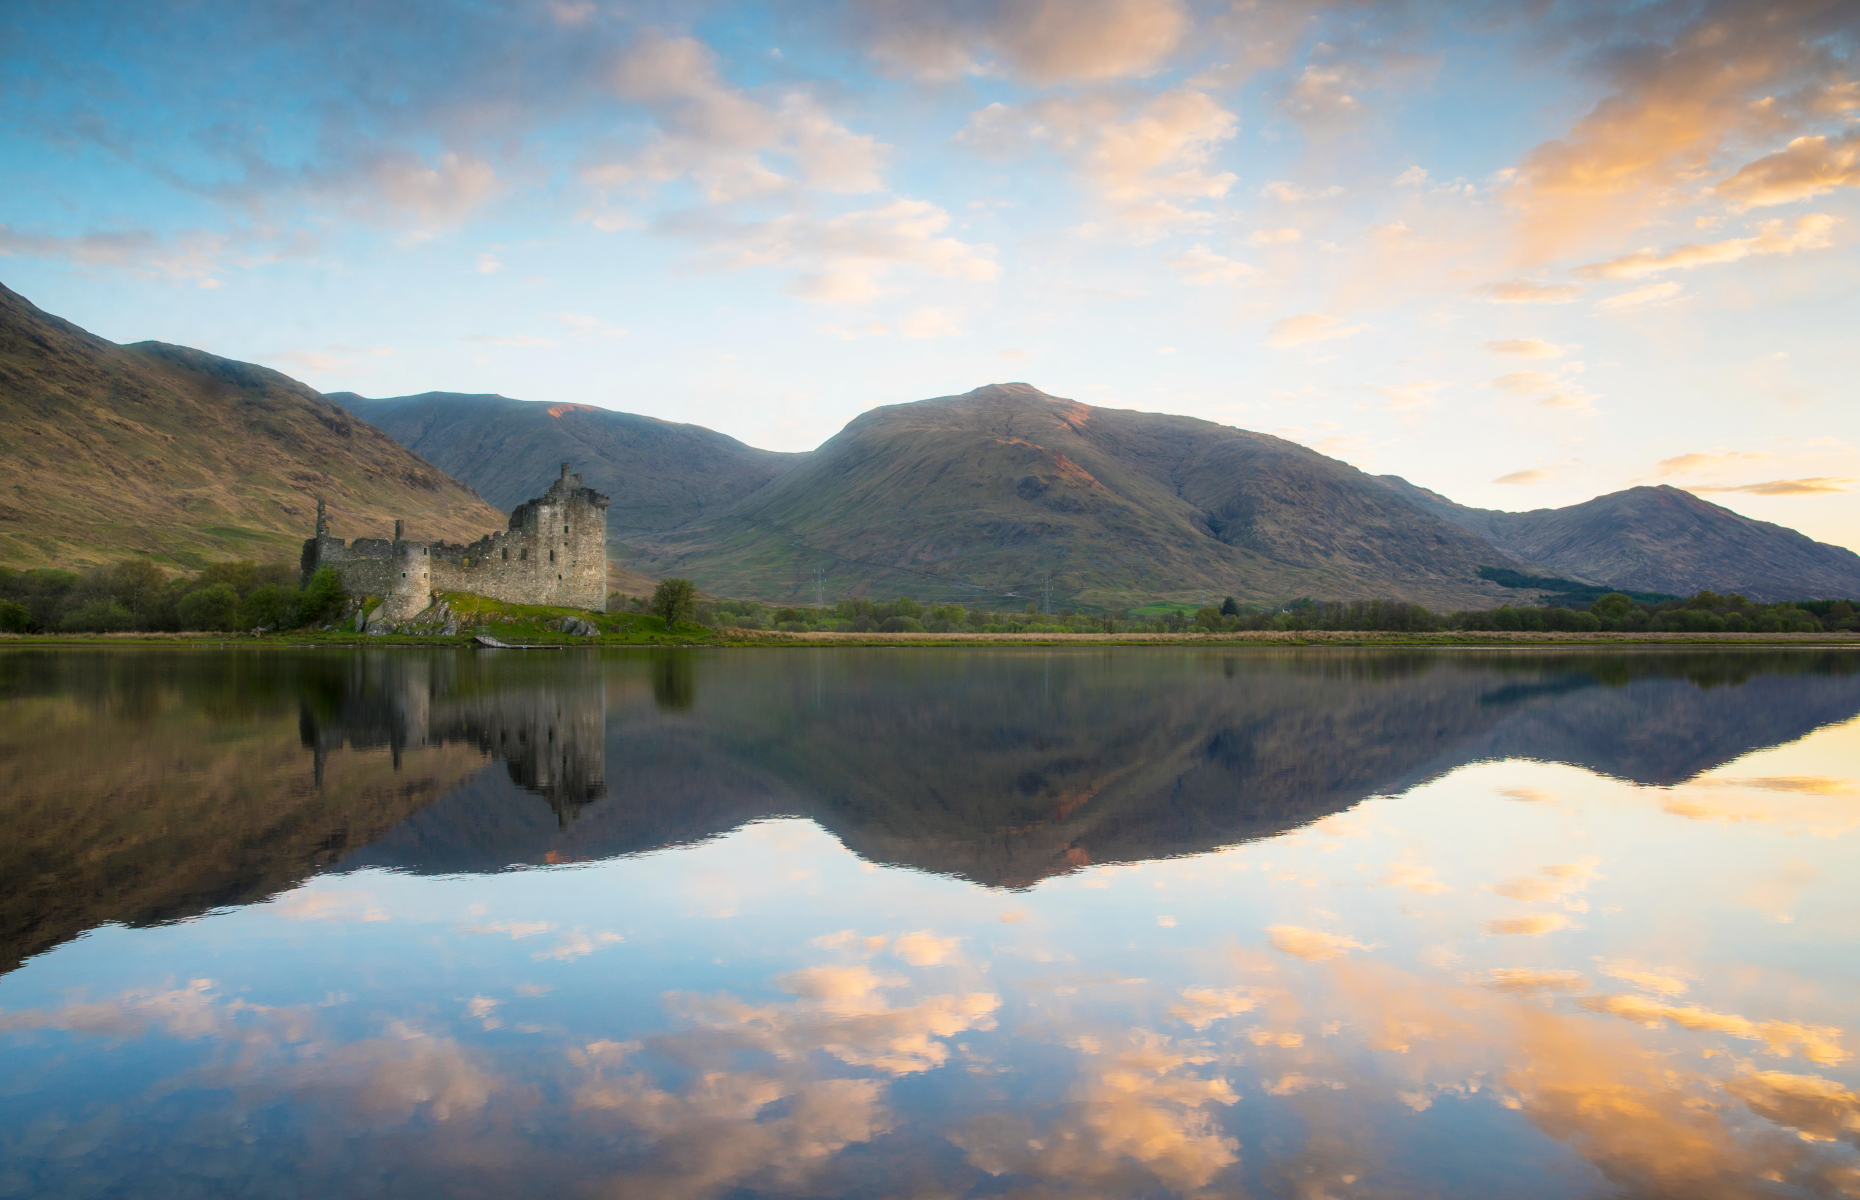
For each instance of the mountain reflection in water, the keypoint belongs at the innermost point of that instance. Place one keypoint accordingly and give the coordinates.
(1171, 921)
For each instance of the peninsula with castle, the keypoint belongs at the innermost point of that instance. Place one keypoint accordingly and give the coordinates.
(553, 553)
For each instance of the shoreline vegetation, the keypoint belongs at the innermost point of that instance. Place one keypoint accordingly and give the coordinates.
(687, 636)
(251, 604)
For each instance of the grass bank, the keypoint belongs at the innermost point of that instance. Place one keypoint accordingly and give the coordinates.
(631, 629)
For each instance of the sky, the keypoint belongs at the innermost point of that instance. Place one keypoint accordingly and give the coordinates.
(1520, 253)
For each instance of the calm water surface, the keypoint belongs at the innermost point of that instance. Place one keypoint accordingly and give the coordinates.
(914, 924)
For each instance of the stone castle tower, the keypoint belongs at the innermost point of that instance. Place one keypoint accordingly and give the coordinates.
(553, 553)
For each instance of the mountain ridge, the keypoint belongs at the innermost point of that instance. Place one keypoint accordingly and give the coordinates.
(1006, 491)
(1658, 539)
(504, 443)
(187, 457)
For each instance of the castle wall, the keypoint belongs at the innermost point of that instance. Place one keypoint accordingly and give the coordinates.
(554, 553)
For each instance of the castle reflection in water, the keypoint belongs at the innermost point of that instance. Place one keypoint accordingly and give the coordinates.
(549, 733)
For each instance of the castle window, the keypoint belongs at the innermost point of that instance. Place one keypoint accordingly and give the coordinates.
(506, 553)
(523, 555)
(565, 527)
(551, 556)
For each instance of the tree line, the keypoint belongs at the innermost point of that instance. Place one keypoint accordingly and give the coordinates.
(137, 595)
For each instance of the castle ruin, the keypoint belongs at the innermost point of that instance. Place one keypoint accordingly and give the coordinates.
(529, 563)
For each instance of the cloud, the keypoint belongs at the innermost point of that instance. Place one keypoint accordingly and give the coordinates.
(841, 1013)
(488, 264)
(1818, 485)
(1287, 192)
(1321, 96)
(1135, 1121)
(844, 259)
(1818, 1109)
(1550, 882)
(313, 905)
(1808, 166)
(1525, 348)
(1524, 383)
(1811, 232)
(1201, 266)
(1817, 1043)
(1309, 327)
(1145, 158)
(923, 949)
(582, 325)
(1523, 291)
(193, 255)
(1044, 41)
(330, 359)
(1414, 878)
(1274, 237)
(577, 945)
(721, 138)
(1202, 1007)
(1524, 981)
(1310, 944)
(1674, 104)
(1528, 476)
(1689, 464)
(1535, 925)
(1652, 295)
(1653, 979)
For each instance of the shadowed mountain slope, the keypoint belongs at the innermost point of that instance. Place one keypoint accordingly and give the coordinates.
(1658, 539)
(660, 474)
(983, 497)
(172, 453)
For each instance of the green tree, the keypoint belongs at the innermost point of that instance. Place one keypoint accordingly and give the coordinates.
(1612, 607)
(211, 609)
(674, 600)
(1209, 618)
(265, 607)
(322, 597)
(136, 582)
(1230, 607)
(14, 618)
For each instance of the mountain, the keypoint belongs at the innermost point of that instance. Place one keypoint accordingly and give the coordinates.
(1658, 539)
(172, 453)
(988, 496)
(660, 474)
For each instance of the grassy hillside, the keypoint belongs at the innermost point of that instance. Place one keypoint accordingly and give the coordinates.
(1005, 495)
(173, 454)
(660, 474)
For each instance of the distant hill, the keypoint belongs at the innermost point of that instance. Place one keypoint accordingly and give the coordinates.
(174, 454)
(660, 474)
(986, 496)
(1658, 539)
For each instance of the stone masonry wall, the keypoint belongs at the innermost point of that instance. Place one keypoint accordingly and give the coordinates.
(554, 553)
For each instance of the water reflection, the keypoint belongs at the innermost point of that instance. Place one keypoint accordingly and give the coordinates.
(1027, 925)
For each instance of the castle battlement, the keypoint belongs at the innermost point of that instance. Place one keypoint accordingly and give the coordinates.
(554, 553)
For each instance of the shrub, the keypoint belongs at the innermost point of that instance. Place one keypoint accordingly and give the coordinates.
(266, 607)
(14, 618)
(98, 616)
(210, 609)
(321, 598)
